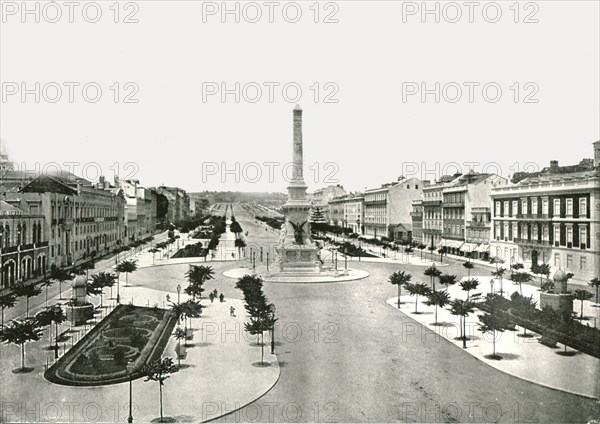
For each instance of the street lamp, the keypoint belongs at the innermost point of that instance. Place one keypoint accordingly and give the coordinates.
(130, 368)
(273, 332)
(492, 286)
(178, 292)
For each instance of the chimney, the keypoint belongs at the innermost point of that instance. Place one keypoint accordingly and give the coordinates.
(553, 165)
(597, 153)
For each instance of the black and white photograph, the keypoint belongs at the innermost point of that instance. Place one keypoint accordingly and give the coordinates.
(303, 211)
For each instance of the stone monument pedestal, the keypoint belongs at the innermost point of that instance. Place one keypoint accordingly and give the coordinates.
(298, 258)
(558, 302)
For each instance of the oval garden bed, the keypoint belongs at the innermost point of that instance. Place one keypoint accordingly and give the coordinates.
(128, 333)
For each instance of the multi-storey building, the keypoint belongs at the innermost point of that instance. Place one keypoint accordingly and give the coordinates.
(320, 199)
(552, 217)
(80, 221)
(23, 246)
(432, 211)
(389, 206)
(417, 220)
(347, 211)
(461, 204)
(178, 203)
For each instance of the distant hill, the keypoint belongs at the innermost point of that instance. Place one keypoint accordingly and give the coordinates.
(272, 199)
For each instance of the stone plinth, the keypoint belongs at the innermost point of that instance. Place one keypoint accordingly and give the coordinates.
(298, 257)
(79, 315)
(558, 302)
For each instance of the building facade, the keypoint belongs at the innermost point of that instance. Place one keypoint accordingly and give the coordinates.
(23, 246)
(417, 220)
(347, 211)
(388, 207)
(553, 218)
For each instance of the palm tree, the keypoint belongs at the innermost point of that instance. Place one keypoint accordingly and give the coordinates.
(499, 273)
(468, 266)
(468, 285)
(417, 289)
(582, 295)
(127, 267)
(447, 280)
(7, 301)
(47, 283)
(102, 280)
(493, 323)
(19, 333)
(60, 275)
(159, 370)
(432, 272)
(520, 278)
(595, 282)
(27, 290)
(543, 270)
(438, 298)
(179, 335)
(399, 279)
(153, 251)
(462, 308)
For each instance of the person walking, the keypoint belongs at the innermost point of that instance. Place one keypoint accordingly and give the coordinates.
(231, 311)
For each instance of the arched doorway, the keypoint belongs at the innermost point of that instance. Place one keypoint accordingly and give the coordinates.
(9, 273)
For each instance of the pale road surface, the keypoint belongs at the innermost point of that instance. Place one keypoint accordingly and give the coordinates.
(351, 363)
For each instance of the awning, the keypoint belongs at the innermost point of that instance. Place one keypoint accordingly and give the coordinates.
(452, 244)
(483, 248)
(468, 247)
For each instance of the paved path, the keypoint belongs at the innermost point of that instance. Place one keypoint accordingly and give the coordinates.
(522, 357)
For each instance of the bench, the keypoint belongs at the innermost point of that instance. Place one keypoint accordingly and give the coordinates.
(475, 297)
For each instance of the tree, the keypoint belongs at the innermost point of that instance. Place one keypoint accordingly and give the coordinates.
(236, 228)
(582, 295)
(421, 247)
(496, 260)
(526, 308)
(493, 323)
(240, 244)
(468, 285)
(462, 308)
(48, 316)
(468, 266)
(19, 333)
(102, 280)
(595, 282)
(499, 273)
(447, 280)
(7, 301)
(47, 283)
(437, 298)
(417, 289)
(191, 309)
(60, 275)
(399, 279)
(179, 335)
(153, 250)
(127, 267)
(159, 370)
(520, 278)
(27, 290)
(543, 270)
(197, 275)
(432, 272)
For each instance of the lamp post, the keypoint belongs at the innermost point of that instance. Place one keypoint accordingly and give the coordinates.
(118, 288)
(130, 368)
(273, 331)
(178, 292)
(492, 286)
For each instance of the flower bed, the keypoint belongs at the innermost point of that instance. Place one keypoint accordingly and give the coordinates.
(128, 333)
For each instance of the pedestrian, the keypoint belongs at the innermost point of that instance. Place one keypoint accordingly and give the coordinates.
(211, 297)
(231, 311)
(222, 297)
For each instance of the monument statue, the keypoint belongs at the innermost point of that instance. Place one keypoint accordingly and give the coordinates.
(296, 249)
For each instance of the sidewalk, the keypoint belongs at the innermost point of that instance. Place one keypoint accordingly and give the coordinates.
(523, 357)
(218, 374)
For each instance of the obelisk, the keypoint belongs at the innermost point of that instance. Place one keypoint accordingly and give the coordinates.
(296, 248)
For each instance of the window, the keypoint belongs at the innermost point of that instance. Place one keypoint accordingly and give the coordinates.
(569, 234)
(505, 209)
(545, 206)
(570, 207)
(534, 232)
(515, 231)
(497, 230)
(534, 206)
(524, 206)
(556, 211)
(497, 209)
(569, 261)
(515, 208)
(583, 207)
(583, 235)
(557, 260)
(556, 234)
(582, 263)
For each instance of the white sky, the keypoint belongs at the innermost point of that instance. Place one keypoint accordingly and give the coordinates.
(369, 133)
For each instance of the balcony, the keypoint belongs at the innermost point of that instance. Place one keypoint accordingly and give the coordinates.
(432, 231)
(454, 204)
(432, 203)
(527, 242)
(478, 224)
